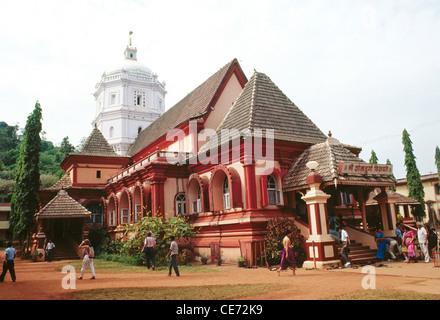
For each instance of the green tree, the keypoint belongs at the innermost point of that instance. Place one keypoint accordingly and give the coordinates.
(413, 179)
(25, 197)
(66, 147)
(392, 176)
(373, 158)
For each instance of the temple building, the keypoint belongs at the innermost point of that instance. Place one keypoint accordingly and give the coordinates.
(231, 155)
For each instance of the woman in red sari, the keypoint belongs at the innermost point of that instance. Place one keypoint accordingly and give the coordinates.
(288, 257)
(409, 240)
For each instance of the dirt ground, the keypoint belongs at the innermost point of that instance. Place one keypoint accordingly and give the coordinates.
(43, 280)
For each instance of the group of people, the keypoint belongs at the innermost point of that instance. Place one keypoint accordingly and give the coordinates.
(88, 254)
(149, 249)
(408, 243)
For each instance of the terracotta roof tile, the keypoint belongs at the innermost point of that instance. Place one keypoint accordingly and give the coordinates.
(328, 154)
(262, 105)
(97, 145)
(63, 183)
(62, 205)
(192, 106)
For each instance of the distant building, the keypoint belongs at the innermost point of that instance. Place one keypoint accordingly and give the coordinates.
(5, 209)
(432, 196)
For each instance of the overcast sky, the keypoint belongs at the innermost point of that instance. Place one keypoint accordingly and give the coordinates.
(363, 69)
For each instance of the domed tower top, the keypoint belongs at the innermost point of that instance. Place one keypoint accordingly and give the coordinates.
(128, 98)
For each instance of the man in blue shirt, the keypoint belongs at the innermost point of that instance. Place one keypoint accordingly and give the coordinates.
(8, 264)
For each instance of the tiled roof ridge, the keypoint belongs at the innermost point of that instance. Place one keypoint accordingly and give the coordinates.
(333, 161)
(194, 105)
(96, 145)
(62, 194)
(60, 183)
(254, 89)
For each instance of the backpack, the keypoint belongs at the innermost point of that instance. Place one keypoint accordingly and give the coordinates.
(91, 252)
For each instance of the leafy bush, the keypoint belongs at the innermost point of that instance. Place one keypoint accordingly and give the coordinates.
(129, 249)
(276, 231)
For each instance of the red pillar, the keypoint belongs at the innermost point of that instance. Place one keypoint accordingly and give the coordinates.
(157, 197)
(250, 186)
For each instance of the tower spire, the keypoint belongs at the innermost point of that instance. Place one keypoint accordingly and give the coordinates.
(130, 52)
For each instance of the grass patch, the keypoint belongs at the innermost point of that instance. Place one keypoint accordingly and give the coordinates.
(215, 292)
(105, 266)
(385, 295)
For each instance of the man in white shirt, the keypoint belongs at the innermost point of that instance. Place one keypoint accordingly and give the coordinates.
(49, 247)
(422, 236)
(345, 242)
(173, 252)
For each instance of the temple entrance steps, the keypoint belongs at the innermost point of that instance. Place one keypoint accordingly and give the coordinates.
(360, 253)
(64, 251)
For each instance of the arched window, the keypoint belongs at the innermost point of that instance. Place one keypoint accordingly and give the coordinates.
(111, 209)
(180, 204)
(226, 196)
(197, 204)
(274, 195)
(96, 216)
(110, 133)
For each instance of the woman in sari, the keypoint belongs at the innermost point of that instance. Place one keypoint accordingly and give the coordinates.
(409, 240)
(288, 257)
(381, 244)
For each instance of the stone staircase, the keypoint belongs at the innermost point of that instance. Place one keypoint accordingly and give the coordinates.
(360, 254)
(64, 251)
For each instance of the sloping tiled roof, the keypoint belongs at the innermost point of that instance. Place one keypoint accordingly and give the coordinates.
(400, 198)
(63, 206)
(63, 183)
(262, 105)
(328, 154)
(193, 106)
(96, 145)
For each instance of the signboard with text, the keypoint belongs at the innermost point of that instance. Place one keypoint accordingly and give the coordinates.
(346, 167)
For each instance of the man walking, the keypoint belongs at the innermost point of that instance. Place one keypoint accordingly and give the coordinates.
(49, 247)
(422, 235)
(8, 264)
(174, 251)
(344, 249)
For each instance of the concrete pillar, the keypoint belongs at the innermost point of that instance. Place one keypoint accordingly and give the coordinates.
(387, 204)
(320, 246)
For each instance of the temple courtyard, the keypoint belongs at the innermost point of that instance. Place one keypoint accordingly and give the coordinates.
(44, 281)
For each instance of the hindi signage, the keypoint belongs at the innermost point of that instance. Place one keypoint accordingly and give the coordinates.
(346, 167)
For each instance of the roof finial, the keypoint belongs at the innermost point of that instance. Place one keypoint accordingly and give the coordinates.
(329, 133)
(129, 37)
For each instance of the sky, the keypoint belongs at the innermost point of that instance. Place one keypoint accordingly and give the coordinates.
(364, 70)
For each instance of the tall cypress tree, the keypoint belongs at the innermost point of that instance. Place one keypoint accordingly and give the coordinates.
(413, 178)
(392, 176)
(373, 158)
(25, 197)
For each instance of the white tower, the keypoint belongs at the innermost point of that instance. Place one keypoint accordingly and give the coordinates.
(128, 98)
